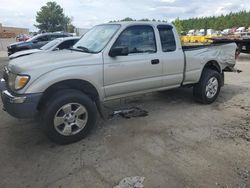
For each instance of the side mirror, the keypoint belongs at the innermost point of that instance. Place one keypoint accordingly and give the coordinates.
(118, 51)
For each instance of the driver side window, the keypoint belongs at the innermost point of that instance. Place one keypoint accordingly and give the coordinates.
(138, 39)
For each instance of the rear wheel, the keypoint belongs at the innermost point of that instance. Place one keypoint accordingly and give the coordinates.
(208, 88)
(68, 116)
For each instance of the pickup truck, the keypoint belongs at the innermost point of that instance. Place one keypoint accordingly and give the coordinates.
(67, 88)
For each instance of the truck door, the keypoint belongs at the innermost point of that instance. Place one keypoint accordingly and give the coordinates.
(172, 56)
(140, 70)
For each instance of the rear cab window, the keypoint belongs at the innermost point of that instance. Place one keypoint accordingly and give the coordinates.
(167, 37)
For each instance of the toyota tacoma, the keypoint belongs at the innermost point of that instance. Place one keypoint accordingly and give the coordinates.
(67, 88)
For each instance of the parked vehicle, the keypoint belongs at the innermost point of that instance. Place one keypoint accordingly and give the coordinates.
(201, 32)
(240, 30)
(191, 32)
(211, 32)
(225, 32)
(66, 88)
(22, 37)
(35, 42)
(56, 44)
(245, 35)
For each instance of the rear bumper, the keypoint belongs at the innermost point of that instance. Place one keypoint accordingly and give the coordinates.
(19, 106)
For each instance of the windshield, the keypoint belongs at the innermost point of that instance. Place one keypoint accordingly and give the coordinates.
(50, 44)
(32, 38)
(97, 38)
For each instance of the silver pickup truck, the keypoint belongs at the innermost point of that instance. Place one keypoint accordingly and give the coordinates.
(67, 88)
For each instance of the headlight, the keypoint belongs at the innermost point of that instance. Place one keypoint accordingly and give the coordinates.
(17, 82)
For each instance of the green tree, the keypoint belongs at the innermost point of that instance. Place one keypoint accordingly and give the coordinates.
(145, 20)
(178, 25)
(237, 19)
(127, 19)
(68, 25)
(51, 18)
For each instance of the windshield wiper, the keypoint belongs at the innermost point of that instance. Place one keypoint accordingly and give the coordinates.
(84, 49)
(81, 49)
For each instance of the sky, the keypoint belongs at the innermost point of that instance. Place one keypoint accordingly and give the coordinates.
(87, 13)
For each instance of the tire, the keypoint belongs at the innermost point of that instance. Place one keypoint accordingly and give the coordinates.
(68, 116)
(205, 93)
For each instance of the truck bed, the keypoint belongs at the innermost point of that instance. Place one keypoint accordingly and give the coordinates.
(197, 47)
(198, 55)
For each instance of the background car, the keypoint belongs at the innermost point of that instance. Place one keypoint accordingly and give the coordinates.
(35, 42)
(22, 37)
(56, 44)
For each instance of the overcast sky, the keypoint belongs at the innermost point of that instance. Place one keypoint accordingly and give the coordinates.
(87, 13)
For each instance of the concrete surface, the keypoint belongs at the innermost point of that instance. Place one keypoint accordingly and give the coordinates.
(180, 144)
(5, 42)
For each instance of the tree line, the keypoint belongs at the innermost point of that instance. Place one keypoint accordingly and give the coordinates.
(128, 19)
(239, 19)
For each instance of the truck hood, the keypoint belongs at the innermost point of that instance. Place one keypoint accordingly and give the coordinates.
(52, 60)
(24, 52)
(22, 43)
(17, 43)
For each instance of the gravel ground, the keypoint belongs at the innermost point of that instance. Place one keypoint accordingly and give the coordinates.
(180, 143)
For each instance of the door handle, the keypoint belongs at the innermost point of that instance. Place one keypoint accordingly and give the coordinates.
(155, 61)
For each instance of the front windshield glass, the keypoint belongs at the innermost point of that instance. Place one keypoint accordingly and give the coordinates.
(32, 38)
(97, 38)
(50, 44)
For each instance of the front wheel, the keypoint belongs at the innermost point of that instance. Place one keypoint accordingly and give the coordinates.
(68, 116)
(208, 88)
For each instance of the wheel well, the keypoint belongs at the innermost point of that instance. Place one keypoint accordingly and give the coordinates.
(80, 85)
(213, 65)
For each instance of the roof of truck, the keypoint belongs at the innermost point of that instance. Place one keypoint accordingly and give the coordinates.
(140, 23)
(67, 38)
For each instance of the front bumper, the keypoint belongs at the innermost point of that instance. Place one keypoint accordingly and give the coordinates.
(19, 106)
(10, 51)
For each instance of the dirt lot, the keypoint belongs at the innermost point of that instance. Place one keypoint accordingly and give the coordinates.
(180, 143)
